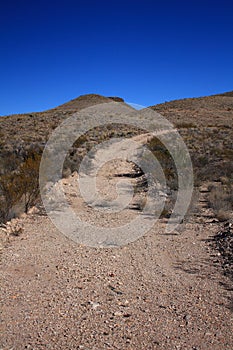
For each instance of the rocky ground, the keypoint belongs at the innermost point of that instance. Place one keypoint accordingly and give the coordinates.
(223, 242)
(163, 291)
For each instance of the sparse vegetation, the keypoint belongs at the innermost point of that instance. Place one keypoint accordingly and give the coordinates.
(221, 200)
(165, 160)
(185, 125)
(204, 123)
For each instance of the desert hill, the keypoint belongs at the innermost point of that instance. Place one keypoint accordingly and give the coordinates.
(20, 130)
(161, 291)
(204, 123)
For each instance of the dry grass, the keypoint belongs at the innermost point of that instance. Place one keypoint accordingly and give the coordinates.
(221, 200)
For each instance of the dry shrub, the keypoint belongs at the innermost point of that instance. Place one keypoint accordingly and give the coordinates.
(28, 181)
(187, 125)
(21, 185)
(223, 215)
(9, 195)
(221, 200)
(167, 163)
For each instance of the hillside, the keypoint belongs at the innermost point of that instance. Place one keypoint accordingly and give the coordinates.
(156, 290)
(204, 123)
(21, 130)
(215, 110)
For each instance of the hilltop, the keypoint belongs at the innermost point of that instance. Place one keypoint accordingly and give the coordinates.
(85, 101)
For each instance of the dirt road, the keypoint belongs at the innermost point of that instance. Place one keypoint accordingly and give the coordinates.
(162, 291)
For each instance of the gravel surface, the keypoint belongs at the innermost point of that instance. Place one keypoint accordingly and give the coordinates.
(160, 292)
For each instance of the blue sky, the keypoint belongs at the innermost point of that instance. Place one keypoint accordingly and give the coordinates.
(144, 51)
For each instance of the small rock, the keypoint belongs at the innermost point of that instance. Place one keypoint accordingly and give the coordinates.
(94, 304)
(118, 313)
(187, 318)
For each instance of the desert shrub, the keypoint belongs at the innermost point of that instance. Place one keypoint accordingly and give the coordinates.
(224, 153)
(221, 201)
(80, 141)
(211, 169)
(21, 185)
(8, 162)
(2, 141)
(200, 161)
(28, 181)
(9, 195)
(227, 170)
(223, 215)
(185, 125)
(163, 156)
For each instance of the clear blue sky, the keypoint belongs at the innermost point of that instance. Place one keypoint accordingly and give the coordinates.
(144, 51)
